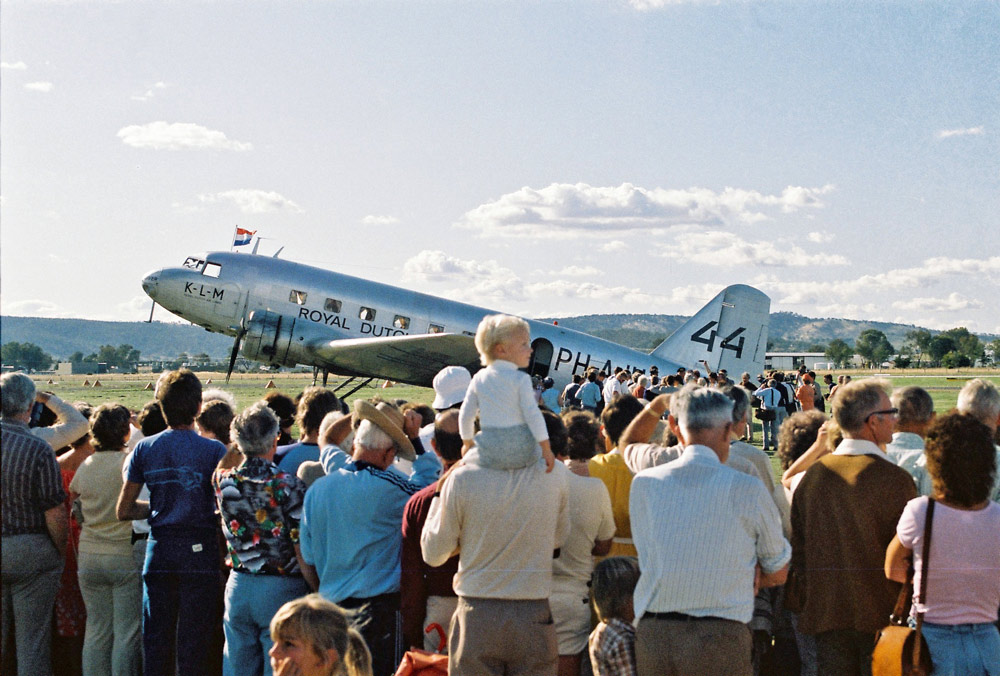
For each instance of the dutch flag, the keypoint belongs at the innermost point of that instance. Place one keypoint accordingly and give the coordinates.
(243, 237)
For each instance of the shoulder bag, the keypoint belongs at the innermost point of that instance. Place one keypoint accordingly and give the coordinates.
(900, 650)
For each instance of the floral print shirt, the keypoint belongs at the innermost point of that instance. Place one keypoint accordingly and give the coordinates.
(260, 507)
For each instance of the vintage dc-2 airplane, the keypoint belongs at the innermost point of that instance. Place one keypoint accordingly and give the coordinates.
(286, 313)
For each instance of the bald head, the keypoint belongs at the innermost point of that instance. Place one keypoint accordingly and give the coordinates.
(447, 441)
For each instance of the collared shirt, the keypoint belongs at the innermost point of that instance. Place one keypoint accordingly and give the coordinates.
(350, 529)
(770, 398)
(503, 397)
(612, 649)
(260, 507)
(701, 561)
(31, 481)
(859, 447)
(508, 523)
(903, 444)
(915, 462)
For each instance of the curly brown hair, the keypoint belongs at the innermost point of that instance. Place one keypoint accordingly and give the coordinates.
(961, 459)
(584, 434)
(797, 434)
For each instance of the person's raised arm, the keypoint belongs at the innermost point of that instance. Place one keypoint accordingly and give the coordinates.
(70, 424)
(818, 449)
(641, 429)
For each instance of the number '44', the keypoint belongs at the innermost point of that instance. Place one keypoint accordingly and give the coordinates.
(727, 342)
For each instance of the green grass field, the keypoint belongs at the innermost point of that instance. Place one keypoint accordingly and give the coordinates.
(131, 391)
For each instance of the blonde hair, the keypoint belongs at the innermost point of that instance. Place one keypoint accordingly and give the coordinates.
(494, 330)
(323, 626)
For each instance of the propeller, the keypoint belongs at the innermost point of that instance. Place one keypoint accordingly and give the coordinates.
(240, 333)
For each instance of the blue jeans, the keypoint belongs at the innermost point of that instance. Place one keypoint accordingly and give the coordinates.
(770, 432)
(251, 602)
(964, 649)
(180, 596)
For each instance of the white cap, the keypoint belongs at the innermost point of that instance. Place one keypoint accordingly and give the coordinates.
(450, 385)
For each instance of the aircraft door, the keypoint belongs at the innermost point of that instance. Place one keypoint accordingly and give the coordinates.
(541, 358)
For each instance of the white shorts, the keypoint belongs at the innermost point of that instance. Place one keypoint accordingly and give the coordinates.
(571, 614)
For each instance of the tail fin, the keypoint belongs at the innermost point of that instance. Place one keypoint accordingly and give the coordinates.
(730, 332)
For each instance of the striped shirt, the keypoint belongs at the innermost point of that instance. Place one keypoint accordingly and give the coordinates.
(700, 529)
(31, 482)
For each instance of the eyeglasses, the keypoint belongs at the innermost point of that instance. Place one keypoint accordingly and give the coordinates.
(888, 411)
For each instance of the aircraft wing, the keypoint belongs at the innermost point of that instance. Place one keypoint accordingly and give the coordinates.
(408, 359)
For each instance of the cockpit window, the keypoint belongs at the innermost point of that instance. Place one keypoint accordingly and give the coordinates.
(212, 269)
(194, 263)
(298, 297)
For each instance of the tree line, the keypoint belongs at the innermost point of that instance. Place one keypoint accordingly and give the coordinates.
(953, 348)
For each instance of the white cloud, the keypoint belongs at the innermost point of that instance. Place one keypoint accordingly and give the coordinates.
(35, 308)
(150, 92)
(613, 245)
(375, 219)
(968, 131)
(952, 303)
(820, 237)
(728, 249)
(563, 210)
(437, 266)
(648, 5)
(178, 136)
(17, 65)
(579, 271)
(253, 201)
(137, 308)
(932, 270)
(39, 86)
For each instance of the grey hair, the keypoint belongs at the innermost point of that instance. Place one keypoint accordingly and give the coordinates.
(215, 394)
(371, 437)
(980, 399)
(255, 429)
(856, 400)
(17, 392)
(613, 584)
(328, 420)
(914, 403)
(741, 401)
(701, 408)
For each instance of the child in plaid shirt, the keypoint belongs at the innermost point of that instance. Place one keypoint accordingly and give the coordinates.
(612, 643)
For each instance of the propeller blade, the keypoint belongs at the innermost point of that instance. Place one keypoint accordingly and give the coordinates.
(235, 353)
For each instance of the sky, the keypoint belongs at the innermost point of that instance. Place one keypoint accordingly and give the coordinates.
(541, 158)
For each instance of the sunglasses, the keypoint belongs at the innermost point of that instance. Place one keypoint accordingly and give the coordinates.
(888, 411)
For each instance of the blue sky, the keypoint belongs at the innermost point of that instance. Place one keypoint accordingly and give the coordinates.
(540, 158)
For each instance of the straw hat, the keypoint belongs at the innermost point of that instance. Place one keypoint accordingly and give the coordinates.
(390, 420)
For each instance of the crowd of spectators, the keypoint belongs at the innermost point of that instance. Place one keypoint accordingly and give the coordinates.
(630, 528)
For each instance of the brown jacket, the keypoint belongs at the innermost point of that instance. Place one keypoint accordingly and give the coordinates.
(844, 515)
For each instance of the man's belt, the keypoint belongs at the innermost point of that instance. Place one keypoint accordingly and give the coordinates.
(682, 617)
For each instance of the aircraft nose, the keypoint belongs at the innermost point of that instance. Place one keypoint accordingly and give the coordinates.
(150, 281)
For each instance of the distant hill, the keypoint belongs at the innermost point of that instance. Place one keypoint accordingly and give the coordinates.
(159, 340)
(156, 340)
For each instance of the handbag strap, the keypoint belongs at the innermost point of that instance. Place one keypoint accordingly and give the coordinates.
(922, 597)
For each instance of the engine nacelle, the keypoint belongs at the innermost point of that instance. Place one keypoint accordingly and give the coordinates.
(278, 339)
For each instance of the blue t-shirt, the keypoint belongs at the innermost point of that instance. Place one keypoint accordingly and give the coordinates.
(296, 454)
(177, 466)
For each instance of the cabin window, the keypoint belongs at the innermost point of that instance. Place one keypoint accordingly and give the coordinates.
(468, 333)
(297, 297)
(193, 263)
(212, 270)
(332, 305)
(401, 322)
(367, 314)
(435, 328)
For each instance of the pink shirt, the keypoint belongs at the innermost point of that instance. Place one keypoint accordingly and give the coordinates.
(963, 585)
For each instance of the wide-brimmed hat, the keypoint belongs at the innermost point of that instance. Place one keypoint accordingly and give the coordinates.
(450, 385)
(390, 420)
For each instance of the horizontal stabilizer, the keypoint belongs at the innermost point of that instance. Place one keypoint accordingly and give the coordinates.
(406, 359)
(730, 333)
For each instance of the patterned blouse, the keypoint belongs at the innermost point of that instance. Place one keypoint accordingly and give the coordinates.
(260, 507)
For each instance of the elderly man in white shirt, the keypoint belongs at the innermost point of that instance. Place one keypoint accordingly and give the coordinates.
(701, 565)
